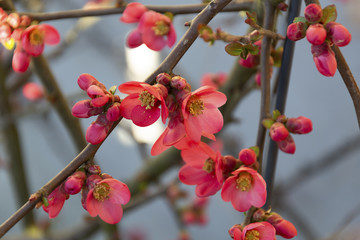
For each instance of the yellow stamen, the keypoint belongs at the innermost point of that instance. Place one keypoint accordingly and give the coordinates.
(244, 181)
(195, 105)
(36, 37)
(252, 235)
(101, 191)
(209, 165)
(161, 28)
(147, 99)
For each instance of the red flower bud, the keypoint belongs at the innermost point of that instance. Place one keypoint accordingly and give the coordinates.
(287, 145)
(20, 61)
(247, 156)
(313, 12)
(113, 113)
(163, 78)
(296, 31)
(178, 82)
(283, 227)
(98, 130)
(33, 91)
(338, 34)
(316, 34)
(299, 125)
(13, 20)
(324, 59)
(83, 109)
(278, 132)
(86, 80)
(75, 182)
(5, 31)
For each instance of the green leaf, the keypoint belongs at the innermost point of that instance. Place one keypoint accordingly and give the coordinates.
(255, 149)
(267, 122)
(45, 201)
(253, 49)
(251, 18)
(112, 90)
(329, 14)
(235, 48)
(299, 19)
(276, 114)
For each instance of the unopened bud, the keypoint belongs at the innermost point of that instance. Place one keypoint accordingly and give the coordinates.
(113, 113)
(324, 59)
(33, 91)
(75, 182)
(283, 227)
(338, 34)
(83, 109)
(259, 215)
(287, 145)
(247, 156)
(163, 78)
(313, 13)
(278, 132)
(299, 125)
(13, 20)
(86, 80)
(94, 169)
(296, 31)
(5, 31)
(178, 82)
(316, 34)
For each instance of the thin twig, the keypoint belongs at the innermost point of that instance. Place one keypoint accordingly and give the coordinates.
(178, 9)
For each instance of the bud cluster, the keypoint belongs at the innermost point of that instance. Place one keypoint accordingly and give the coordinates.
(102, 103)
(280, 128)
(322, 32)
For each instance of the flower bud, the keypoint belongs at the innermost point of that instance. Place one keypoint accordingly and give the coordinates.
(3, 15)
(98, 130)
(94, 169)
(228, 164)
(258, 78)
(287, 145)
(113, 113)
(324, 59)
(299, 125)
(250, 61)
(33, 91)
(247, 156)
(235, 230)
(83, 109)
(25, 21)
(20, 61)
(316, 34)
(283, 227)
(296, 31)
(134, 39)
(313, 13)
(5, 31)
(338, 34)
(188, 217)
(278, 132)
(86, 80)
(178, 82)
(98, 95)
(92, 180)
(13, 20)
(17, 33)
(133, 12)
(75, 182)
(162, 90)
(163, 78)
(259, 215)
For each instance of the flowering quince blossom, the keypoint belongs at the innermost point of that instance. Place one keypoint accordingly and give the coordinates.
(244, 189)
(56, 200)
(201, 113)
(33, 91)
(105, 199)
(201, 169)
(258, 230)
(142, 104)
(155, 30)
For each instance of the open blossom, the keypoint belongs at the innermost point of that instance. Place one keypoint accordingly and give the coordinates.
(56, 200)
(253, 231)
(244, 189)
(105, 199)
(201, 113)
(201, 169)
(142, 104)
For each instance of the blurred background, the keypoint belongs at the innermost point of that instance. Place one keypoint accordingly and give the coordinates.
(316, 188)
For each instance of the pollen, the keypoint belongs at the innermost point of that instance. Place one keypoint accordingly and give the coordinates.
(36, 37)
(252, 235)
(147, 99)
(161, 28)
(244, 181)
(209, 165)
(101, 192)
(195, 105)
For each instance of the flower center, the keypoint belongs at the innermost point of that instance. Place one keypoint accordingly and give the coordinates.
(36, 37)
(243, 182)
(101, 191)
(195, 105)
(252, 235)
(161, 28)
(147, 99)
(209, 165)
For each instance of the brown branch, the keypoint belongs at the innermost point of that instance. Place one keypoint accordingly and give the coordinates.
(178, 9)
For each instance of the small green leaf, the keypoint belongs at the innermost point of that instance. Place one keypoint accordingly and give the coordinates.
(235, 48)
(251, 18)
(45, 201)
(169, 15)
(299, 19)
(112, 90)
(276, 114)
(253, 49)
(255, 149)
(267, 122)
(329, 14)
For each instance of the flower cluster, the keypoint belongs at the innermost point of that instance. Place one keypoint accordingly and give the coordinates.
(322, 32)
(101, 194)
(102, 103)
(155, 30)
(30, 39)
(280, 128)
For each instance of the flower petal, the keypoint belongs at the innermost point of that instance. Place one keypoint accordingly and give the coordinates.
(143, 117)
(51, 36)
(110, 212)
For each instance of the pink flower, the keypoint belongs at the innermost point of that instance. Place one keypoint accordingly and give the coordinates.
(56, 200)
(33, 91)
(324, 59)
(287, 145)
(202, 169)
(156, 31)
(201, 113)
(338, 34)
(20, 61)
(283, 227)
(34, 38)
(133, 12)
(142, 105)
(247, 156)
(259, 230)
(106, 198)
(244, 189)
(299, 125)
(313, 12)
(215, 80)
(278, 132)
(316, 34)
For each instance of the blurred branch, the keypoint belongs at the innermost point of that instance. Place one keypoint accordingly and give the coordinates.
(178, 9)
